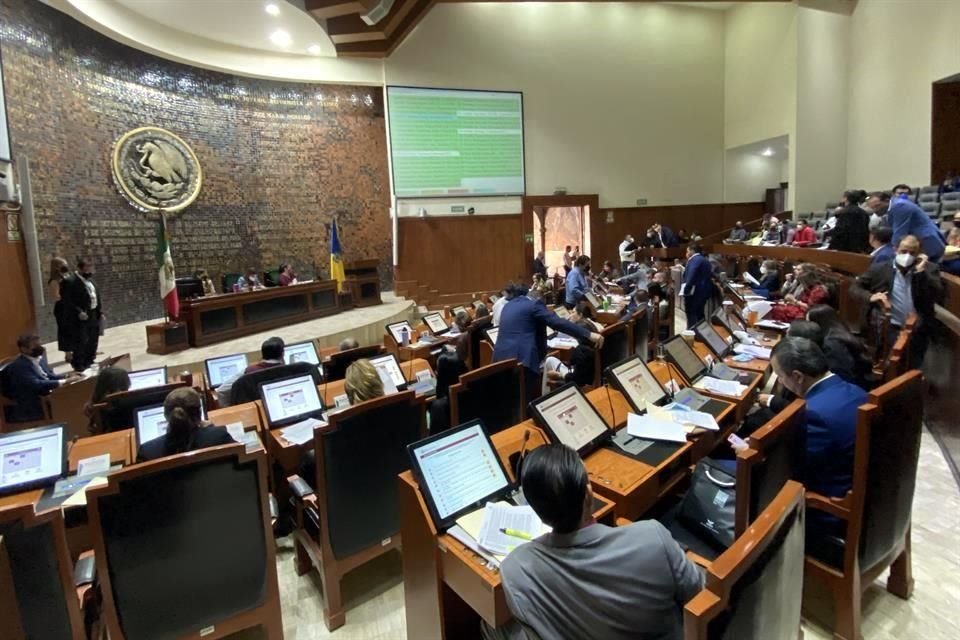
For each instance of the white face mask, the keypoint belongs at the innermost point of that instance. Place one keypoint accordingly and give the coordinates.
(905, 260)
(763, 270)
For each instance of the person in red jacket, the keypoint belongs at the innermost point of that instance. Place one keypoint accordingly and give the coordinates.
(805, 235)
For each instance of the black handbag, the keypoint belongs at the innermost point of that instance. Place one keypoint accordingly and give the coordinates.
(709, 508)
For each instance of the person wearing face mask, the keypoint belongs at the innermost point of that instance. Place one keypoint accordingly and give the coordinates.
(853, 224)
(769, 279)
(882, 249)
(907, 219)
(83, 308)
(576, 284)
(697, 285)
(911, 285)
(65, 339)
(738, 233)
(26, 380)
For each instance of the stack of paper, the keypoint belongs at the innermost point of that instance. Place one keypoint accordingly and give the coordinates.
(762, 307)
(301, 432)
(505, 527)
(658, 427)
(722, 387)
(773, 324)
(749, 278)
(562, 340)
(762, 353)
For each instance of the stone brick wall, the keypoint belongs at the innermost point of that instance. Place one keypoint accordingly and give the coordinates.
(279, 160)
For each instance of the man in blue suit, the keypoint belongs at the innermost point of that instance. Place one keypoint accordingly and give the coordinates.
(883, 251)
(907, 219)
(576, 284)
(661, 236)
(697, 284)
(832, 405)
(523, 335)
(25, 380)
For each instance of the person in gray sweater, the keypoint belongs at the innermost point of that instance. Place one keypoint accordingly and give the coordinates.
(588, 580)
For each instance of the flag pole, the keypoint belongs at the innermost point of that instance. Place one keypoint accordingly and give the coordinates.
(163, 231)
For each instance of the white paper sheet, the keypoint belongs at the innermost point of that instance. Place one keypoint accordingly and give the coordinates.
(773, 324)
(749, 278)
(695, 418)
(655, 428)
(95, 465)
(497, 517)
(301, 432)
(762, 307)
(723, 387)
(763, 353)
(235, 429)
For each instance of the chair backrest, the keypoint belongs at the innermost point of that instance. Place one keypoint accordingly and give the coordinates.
(617, 346)
(950, 196)
(246, 388)
(932, 208)
(117, 410)
(359, 458)
(774, 457)
(885, 468)
(927, 190)
(640, 330)
(928, 196)
(493, 394)
(754, 589)
(898, 360)
(37, 596)
(335, 368)
(476, 331)
(184, 543)
(227, 281)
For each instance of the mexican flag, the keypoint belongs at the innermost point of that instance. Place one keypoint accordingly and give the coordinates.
(168, 277)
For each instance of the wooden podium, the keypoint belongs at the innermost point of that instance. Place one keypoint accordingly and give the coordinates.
(363, 282)
(167, 337)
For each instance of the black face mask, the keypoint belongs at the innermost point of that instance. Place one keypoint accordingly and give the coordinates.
(37, 351)
(64, 270)
(87, 274)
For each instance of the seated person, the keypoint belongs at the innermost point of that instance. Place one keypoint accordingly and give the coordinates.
(738, 233)
(27, 379)
(588, 580)
(582, 367)
(805, 235)
(271, 353)
(771, 233)
(362, 382)
(481, 311)
(660, 305)
(769, 279)
(845, 353)
(883, 251)
(450, 367)
(639, 300)
(186, 430)
(608, 272)
(287, 276)
(250, 281)
(950, 262)
(208, 287)
(348, 343)
(109, 380)
(794, 307)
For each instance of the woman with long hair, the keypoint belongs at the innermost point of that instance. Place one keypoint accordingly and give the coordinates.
(794, 307)
(844, 350)
(186, 429)
(58, 271)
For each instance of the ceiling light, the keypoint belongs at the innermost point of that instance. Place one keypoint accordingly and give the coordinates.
(314, 50)
(272, 9)
(280, 38)
(767, 152)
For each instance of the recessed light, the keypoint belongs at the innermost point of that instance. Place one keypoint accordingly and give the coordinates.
(767, 152)
(314, 50)
(272, 9)
(280, 38)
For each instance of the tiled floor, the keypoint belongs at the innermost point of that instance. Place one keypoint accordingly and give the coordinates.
(374, 593)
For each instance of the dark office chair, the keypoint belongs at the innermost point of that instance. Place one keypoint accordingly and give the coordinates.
(640, 331)
(246, 388)
(38, 596)
(477, 333)
(184, 547)
(353, 515)
(335, 367)
(227, 281)
(117, 411)
(753, 590)
(493, 394)
(617, 347)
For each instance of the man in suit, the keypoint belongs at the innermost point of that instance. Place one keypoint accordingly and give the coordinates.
(589, 580)
(907, 219)
(83, 307)
(697, 284)
(523, 335)
(26, 380)
(853, 225)
(910, 285)
(663, 236)
(539, 267)
(883, 252)
(576, 285)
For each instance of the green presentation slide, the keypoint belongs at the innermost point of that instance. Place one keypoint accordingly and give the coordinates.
(446, 142)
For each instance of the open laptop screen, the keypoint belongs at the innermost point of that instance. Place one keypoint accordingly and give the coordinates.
(713, 339)
(570, 419)
(151, 423)
(436, 323)
(389, 371)
(290, 400)
(224, 368)
(395, 329)
(32, 457)
(145, 378)
(458, 471)
(683, 355)
(634, 378)
(492, 334)
(301, 352)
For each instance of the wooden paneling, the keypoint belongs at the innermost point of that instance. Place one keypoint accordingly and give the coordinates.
(461, 253)
(17, 300)
(945, 131)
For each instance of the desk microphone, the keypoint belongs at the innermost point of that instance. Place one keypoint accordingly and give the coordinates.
(613, 415)
(523, 453)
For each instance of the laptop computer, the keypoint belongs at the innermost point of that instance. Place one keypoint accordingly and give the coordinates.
(458, 471)
(388, 368)
(146, 378)
(150, 423)
(436, 324)
(492, 334)
(395, 329)
(633, 378)
(456, 310)
(32, 458)
(569, 418)
(291, 400)
(693, 369)
(301, 352)
(224, 368)
(709, 336)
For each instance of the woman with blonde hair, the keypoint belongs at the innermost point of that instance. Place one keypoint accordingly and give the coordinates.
(58, 271)
(362, 382)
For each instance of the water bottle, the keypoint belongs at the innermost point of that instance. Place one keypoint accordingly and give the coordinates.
(404, 337)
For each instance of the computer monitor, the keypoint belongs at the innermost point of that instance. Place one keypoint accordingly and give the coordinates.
(189, 287)
(301, 352)
(712, 339)
(569, 418)
(150, 423)
(145, 378)
(684, 358)
(290, 400)
(457, 310)
(388, 368)
(637, 383)
(32, 458)
(593, 300)
(458, 472)
(492, 334)
(737, 296)
(395, 329)
(224, 368)
(435, 323)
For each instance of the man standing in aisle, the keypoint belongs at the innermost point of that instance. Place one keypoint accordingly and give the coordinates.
(83, 307)
(697, 286)
(628, 253)
(577, 284)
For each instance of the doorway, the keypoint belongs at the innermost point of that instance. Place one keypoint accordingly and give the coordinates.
(945, 130)
(551, 223)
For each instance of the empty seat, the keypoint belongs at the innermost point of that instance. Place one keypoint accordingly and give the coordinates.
(949, 207)
(930, 188)
(950, 196)
(335, 368)
(493, 394)
(932, 208)
(928, 197)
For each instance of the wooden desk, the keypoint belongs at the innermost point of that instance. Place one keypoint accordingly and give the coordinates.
(448, 587)
(212, 319)
(248, 414)
(362, 282)
(741, 403)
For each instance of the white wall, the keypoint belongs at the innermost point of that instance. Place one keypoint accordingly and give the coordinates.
(820, 146)
(747, 175)
(624, 100)
(906, 45)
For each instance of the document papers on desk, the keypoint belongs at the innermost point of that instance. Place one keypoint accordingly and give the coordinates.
(683, 415)
(505, 527)
(655, 428)
(762, 307)
(761, 353)
(301, 432)
(749, 278)
(562, 340)
(722, 387)
(773, 324)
